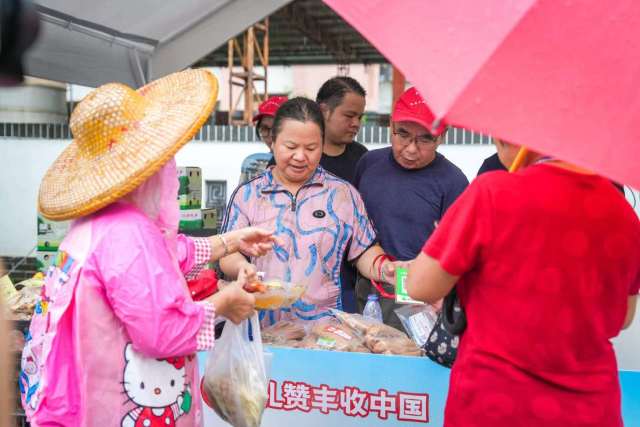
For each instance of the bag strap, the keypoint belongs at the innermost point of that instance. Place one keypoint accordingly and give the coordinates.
(454, 320)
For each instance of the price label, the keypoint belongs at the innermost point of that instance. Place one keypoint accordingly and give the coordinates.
(402, 297)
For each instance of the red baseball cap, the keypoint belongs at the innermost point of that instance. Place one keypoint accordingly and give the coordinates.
(269, 107)
(411, 107)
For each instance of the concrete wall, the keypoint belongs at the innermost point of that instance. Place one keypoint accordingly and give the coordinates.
(37, 101)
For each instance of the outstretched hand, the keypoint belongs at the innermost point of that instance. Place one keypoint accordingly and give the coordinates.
(253, 241)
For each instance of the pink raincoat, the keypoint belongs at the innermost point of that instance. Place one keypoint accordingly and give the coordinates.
(113, 339)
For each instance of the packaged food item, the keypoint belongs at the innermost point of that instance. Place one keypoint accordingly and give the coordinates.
(356, 322)
(397, 345)
(378, 337)
(329, 334)
(284, 332)
(235, 380)
(418, 321)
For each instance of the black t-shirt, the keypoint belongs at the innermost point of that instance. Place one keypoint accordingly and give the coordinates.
(344, 165)
(491, 163)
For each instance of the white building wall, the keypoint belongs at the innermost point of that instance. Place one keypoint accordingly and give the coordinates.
(36, 101)
(24, 162)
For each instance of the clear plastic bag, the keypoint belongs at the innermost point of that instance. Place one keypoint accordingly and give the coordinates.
(418, 321)
(284, 332)
(235, 380)
(378, 337)
(328, 334)
(278, 294)
(272, 294)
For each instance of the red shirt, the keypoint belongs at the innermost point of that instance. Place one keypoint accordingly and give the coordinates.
(547, 259)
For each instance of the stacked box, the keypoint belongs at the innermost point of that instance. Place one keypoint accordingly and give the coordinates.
(190, 219)
(191, 200)
(190, 179)
(210, 218)
(51, 233)
(190, 191)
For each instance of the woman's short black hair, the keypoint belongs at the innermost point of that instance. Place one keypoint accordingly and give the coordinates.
(300, 109)
(333, 91)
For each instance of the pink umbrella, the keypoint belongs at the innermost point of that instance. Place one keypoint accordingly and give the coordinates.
(559, 76)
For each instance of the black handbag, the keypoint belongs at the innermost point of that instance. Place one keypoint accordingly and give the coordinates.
(444, 339)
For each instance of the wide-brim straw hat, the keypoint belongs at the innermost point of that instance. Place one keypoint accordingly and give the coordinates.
(122, 137)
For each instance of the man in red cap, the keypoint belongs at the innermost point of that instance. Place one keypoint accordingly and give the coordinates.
(263, 121)
(256, 163)
(407, 187)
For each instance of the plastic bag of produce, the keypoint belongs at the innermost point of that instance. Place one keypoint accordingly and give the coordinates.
(235, 380)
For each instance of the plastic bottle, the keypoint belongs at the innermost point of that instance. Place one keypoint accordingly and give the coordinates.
(372, 309)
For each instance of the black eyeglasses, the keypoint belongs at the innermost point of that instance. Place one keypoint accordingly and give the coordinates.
(264, 131)
(424, 140)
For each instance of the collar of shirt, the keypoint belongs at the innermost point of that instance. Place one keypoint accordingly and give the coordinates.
(272, 186)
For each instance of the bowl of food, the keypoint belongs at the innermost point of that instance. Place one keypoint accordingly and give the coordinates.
(274, 294)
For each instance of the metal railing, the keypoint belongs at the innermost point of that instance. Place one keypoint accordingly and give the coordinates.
(369, 134)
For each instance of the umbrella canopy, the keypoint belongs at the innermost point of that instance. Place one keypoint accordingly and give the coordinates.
(92, 42)
(561, 77)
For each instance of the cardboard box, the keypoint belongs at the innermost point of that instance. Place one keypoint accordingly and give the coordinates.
(190, 179)
(191, 200)
(210, 218)
(51, 233)
(190, 219)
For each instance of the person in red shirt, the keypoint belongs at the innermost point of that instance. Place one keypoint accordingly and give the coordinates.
(546, 262)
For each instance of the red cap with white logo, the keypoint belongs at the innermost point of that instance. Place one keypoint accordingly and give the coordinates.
(411, 107)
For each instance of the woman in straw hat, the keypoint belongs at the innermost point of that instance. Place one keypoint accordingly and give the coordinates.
(113, 337)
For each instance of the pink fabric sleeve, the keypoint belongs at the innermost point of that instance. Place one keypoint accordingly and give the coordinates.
(197, 254)
(194, 253)
(207, 334)
(148, 294)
